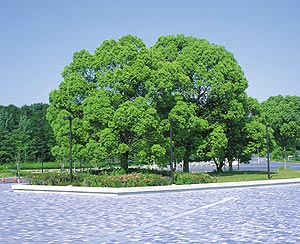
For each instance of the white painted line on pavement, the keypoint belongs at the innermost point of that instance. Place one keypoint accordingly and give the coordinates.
(176, 216)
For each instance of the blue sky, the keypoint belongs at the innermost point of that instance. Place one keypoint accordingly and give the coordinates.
(39, 37)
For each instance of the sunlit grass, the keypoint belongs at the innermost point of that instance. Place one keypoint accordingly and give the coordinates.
(236, 176)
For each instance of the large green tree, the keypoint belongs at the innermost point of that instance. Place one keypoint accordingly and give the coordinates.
(209, 77)
(282, 114)
(189, 131)
(254, 140)
(214, 146)
(122, 97)
(97, 91)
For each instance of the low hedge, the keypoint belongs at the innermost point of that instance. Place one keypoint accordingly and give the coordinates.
(126, 180)
(193, 178)
(51, 178)
(115, 179)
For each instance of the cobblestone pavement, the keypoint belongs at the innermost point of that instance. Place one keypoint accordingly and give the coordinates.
(248, 215)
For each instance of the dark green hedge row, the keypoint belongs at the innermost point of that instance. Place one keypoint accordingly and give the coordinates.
(118, 180)
(193, 178)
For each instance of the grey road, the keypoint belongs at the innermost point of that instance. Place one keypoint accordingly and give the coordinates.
(247, 215)
(253, 166)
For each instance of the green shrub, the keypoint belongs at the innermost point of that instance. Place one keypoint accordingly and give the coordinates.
(125, 180)
(118, 178)
(193, 178)
(56, 179)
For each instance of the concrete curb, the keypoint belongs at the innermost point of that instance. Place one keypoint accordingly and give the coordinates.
(106, 191)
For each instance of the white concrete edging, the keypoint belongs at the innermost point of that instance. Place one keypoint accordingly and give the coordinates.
(107, 191)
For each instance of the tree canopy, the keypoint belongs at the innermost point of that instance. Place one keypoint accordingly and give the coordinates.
(122, 98)
(282, 115)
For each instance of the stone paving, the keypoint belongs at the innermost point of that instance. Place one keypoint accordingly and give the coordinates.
(245, 215)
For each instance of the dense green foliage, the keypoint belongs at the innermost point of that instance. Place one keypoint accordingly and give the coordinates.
(25, 134)
(282, 115)
(119, 179)
(193, 178)
(123, 97)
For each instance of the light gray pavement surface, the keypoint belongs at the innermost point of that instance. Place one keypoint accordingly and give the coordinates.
(266, 214)
(252, 166)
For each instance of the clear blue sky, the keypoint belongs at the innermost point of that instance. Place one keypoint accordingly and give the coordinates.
(39, 37)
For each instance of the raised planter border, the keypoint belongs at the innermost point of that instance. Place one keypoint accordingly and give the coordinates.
(107, 191)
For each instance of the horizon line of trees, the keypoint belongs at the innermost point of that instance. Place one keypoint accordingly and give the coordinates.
(19, 144)
(25, 134)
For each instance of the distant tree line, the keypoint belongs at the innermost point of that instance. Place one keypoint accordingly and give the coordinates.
(25, 134)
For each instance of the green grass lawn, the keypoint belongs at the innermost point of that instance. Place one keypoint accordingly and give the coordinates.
(236, 176)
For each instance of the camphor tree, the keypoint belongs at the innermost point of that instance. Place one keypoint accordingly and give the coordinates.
(122, 97)
(77, 85)
(189, 131)
(255, 131)
(211, 79)
(214, 146)
(103, 93)
(282, 115)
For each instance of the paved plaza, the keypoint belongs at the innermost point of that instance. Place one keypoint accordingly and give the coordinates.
(268, 214)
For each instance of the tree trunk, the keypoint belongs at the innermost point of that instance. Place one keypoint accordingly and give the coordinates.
(284, 158)
(219, 166)
(230, 165)
(124, 160)
(186, 165)
(186, 160)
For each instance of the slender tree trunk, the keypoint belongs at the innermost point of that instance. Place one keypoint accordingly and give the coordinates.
(186, 160)
(175, 166)
(124, 160)
(230, 164)
(284, 158)
(186, 165)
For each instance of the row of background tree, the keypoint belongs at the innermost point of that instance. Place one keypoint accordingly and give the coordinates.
(124, 98)
(25, 134)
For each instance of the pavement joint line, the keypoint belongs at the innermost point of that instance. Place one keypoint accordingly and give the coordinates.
(176, 216)
(111, 192)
